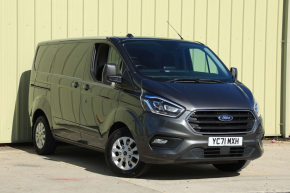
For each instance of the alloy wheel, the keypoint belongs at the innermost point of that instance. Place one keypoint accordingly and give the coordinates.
(124, 153)
(40, 135)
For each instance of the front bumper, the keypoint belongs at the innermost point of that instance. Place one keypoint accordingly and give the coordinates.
(193, 147)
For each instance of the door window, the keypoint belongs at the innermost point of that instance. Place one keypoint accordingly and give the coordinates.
(101, 58)
(103, 54)
(116, 58)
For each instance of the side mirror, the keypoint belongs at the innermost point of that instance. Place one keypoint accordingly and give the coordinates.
(234, 72)
(109, 69)
(109, 74)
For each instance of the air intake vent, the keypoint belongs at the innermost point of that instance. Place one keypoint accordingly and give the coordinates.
(223, 152)
(208, 122)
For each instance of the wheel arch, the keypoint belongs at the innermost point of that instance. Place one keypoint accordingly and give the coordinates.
(116, 126)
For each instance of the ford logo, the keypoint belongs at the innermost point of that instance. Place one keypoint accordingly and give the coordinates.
(225, 117)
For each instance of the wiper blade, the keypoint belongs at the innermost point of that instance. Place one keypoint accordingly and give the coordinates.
(182, 80)
(195, 80)
(210, 80)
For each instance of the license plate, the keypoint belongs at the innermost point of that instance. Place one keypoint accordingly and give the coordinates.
(225, 141)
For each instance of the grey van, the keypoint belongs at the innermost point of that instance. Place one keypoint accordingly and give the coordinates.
(143, 101)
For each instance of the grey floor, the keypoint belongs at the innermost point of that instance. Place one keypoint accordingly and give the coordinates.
(74, 169)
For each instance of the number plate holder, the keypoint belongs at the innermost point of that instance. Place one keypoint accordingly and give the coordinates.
(225, 141)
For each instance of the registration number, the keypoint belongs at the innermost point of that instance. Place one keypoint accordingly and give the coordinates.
(225, 141)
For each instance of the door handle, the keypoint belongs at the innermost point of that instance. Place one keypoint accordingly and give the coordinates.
(75, 84)
(86, 87)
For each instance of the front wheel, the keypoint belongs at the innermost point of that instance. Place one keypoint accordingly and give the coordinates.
(122, 155)
(233, 167)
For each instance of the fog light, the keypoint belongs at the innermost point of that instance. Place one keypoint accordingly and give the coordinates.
(160, 141)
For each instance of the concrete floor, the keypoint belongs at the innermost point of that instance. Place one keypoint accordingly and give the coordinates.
(74, 169)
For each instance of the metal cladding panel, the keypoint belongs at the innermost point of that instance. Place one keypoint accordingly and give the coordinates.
(244, 33)
(25, 50)
(161, 11)
(42, 20)
(259, 56)
(120, 18)
(2, 125)
(105, 17)
(9, 69)
(75, 18)
(213, 15)
(236, 41)
(270, 69)
(148, 18)
(200, 21)
(59, 25)
(248, 44)
(187, 20)
(225, 31)
(174, 17)
(134, 17)
(91, 18)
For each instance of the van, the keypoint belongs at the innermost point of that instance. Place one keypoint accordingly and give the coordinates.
(143, 101)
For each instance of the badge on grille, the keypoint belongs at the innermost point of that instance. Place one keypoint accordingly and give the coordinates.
(225, 117)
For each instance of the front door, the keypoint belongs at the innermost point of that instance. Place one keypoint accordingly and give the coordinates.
(99, 101)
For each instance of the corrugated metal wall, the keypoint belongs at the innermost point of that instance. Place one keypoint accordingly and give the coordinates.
(245, 34)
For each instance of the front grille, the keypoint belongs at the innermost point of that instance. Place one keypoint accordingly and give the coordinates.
(207, 122)
(222, 152)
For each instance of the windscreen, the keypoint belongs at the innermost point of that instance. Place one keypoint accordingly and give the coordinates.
(167, 60)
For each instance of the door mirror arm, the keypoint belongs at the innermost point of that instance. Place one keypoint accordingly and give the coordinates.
(115, 78)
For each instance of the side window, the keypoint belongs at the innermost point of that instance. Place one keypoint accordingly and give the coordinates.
(44, 58)
(70, 59)
(101, 58)
(201, 62)
(115, 58)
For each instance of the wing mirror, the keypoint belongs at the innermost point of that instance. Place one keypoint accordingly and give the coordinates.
(109, 74)
(234, 72)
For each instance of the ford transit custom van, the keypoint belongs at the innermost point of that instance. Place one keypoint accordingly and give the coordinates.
(143, 101)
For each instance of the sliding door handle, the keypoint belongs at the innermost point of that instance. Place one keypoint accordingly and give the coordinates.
(75, 84)
(86, 87)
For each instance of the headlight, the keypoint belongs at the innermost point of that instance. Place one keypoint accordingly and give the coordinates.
(161, 106)
(256, 110)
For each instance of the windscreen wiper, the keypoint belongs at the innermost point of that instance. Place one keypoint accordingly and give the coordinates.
(195, 80)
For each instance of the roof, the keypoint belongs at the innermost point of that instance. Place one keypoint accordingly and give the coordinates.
(121, 38)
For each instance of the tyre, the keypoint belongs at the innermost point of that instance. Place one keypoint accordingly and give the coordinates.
(233, 167)
(43, 140)
(122, 155)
